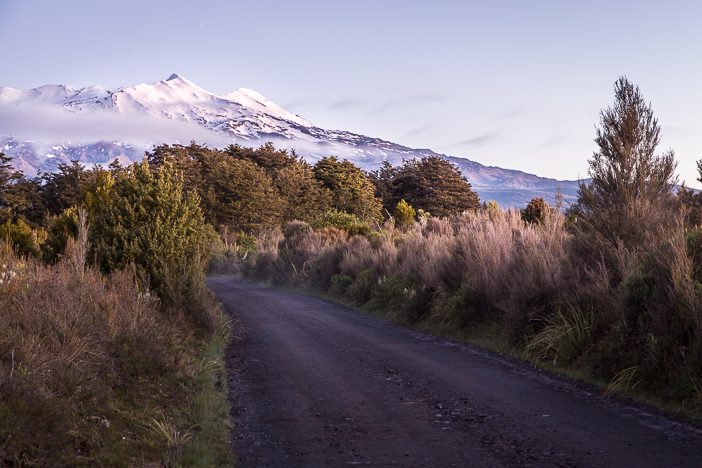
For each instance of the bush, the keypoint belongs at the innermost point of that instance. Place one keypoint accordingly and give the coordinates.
(144, 219)
(21, 236)
(340, 284)
(341, 220)
(404, 214)
(86, 362)
(536, 211)
(61, 228)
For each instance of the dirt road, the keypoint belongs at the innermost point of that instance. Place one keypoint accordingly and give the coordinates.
(317, 384)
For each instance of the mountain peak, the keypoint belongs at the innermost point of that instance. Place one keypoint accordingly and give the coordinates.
(174, 76)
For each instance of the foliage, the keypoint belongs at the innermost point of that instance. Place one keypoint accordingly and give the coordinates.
(60, 229)
(305, 196)
(536, 211)
(341, 220)
(629, 182)
(382, 179)
(238, 194)
(404, 214)
(351, 189)
(434, 185)
(144, 219)
(21, 236)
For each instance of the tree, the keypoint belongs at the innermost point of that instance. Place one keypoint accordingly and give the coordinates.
(691, 201)
(267, 156)
(66, 187)
(536, 211)
(304, 196)
(144, 219)
(435, 185)
(351, 189)
(382, 179)
(629, 196)
(9, 177)
(238, 194)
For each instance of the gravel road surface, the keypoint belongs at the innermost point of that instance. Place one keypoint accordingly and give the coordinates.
(317, 384)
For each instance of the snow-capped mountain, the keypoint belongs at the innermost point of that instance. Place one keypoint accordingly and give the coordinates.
(44, 126)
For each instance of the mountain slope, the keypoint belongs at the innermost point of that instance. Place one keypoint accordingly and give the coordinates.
(57, 123)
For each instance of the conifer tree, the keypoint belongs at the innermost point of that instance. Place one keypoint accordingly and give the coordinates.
(144, 218)
(434, 185)
(629, 195)
(351, 189)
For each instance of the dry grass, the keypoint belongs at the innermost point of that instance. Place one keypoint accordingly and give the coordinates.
(84, 360)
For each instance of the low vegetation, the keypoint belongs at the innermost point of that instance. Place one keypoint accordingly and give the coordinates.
(111, 346)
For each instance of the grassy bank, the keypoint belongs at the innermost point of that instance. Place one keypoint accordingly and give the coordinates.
(94, 371)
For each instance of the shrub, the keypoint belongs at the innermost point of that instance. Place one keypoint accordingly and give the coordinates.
(145, 219)
(21, 236)
(341, 220)
(86, 360)
(536, 211)
(61, 228)
(404, 214)
(340, 284)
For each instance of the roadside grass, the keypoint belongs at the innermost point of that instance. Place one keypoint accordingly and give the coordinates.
(94, 371)
(208, 410)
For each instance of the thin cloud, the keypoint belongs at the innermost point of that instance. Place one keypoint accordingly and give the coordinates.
(419, 130)
(509, 114)
(345, 104)
(299, 103)
(553, 141)
(478, 141)
(408, 100)
(48, 124)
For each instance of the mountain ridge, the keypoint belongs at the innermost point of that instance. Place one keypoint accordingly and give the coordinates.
(57, 123)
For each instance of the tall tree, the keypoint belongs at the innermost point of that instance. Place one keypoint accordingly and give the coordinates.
(435, 185)
(9, 177)
(145, 219)
(629, 195)
(382, 179)
(351, 189)
(238, 194)
(66, 187)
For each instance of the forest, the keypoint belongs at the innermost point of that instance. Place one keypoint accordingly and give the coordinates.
(608, 289)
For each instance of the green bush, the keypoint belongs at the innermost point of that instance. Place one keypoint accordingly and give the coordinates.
(536, 211)
(21, 236)
(404, 214)
(144, 219)
(340, 284)
(360, 290)
(389, 295)
(61, 228)
(341, 220)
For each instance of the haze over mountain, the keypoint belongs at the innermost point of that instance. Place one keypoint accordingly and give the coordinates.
(45, 126)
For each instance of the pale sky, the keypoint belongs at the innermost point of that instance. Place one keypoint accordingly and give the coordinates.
(516, 84)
